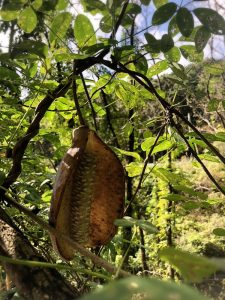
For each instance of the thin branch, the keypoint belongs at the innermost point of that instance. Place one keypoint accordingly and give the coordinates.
(119, 20)
(221, 119)
(77, 105)
(144, 167)
(179, 131)
(89, 101)
(100, 262)
(108, 117)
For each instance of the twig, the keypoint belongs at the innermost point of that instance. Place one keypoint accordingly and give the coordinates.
(94, 258)
(108, 117)
(145, 166)
(119, 20)
(76, 101)
(89, 101)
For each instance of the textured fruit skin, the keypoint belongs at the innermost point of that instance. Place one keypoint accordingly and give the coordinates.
(88, 193)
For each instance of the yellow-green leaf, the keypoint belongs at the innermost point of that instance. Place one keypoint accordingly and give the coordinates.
(59, 26)
(84, 32)
(27, 20)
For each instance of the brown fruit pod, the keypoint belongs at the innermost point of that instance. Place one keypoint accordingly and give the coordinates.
(88, 193)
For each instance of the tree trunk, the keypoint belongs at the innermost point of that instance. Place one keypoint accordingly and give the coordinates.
(32, 283)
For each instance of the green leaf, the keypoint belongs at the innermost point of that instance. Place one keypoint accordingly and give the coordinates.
(128, 153)
(65, 56)
(219, 231)
(168, 176)
(32, 71)
(125, 222)
(157, 68)
(176, 197)
(185, 21)
(192, 267)
(164, 13)
(178, 70)
(99, 110)
(59, 26)
(173, 55)
(36, 4)
(166, 43)
(27, 20)
(106, 23)
(151, 288)
(211, 19)
(189, 52)
(209, 157)
(141, 64)
(164, 145)
(159, 3)
(30, 46)
(133, 9)
(190, 191)
(61, 4)
(134, 169)
(148, 143)
(46, 196)
(128, 129)
(173, 29)
(94, 6)
(129, 222)
(8, 74)
(123, 52)
(153, 43)
(201, 38)
(10, 11)
(127, 93)
(94, 49)
(146, 226)
(84, 32)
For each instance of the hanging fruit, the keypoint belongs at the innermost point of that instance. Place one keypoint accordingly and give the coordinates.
(88, 193)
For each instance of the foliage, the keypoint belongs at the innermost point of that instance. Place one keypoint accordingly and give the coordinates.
(164, 121)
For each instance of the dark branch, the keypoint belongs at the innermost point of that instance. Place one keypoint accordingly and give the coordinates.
(179, 131)
(89, 101)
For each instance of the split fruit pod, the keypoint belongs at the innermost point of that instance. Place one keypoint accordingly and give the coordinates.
(88, 194)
